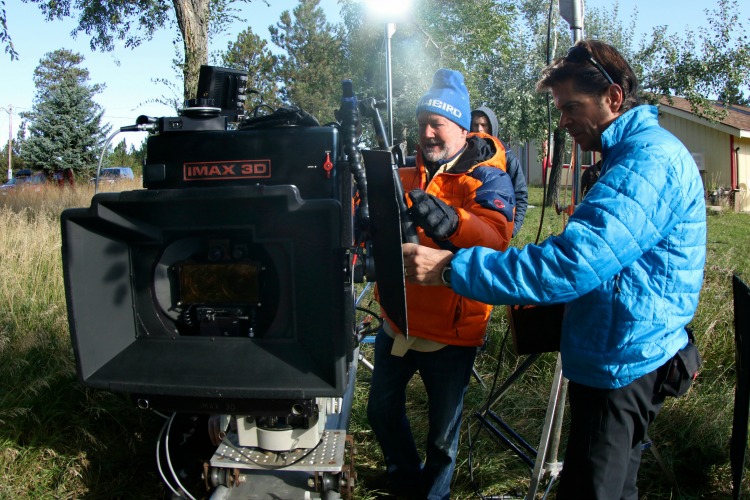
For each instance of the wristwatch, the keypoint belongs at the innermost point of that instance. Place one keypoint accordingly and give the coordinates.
(446, 276)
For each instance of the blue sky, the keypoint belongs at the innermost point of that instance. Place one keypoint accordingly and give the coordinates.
(128, 74)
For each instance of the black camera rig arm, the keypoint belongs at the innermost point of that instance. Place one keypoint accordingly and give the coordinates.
(348, 114)
(368, 107)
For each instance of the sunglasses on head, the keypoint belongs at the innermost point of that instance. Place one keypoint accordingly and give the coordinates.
(580, 54)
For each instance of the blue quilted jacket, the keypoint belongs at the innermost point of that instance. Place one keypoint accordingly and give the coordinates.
(628, 266)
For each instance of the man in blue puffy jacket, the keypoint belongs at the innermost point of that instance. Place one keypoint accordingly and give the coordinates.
(628, 266)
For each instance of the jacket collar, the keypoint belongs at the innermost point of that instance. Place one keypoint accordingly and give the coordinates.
(481, 149)
(628, 123)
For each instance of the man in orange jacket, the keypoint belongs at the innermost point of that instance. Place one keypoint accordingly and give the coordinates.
(460, 196)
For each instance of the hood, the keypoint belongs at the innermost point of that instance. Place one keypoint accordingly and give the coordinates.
(490, 116)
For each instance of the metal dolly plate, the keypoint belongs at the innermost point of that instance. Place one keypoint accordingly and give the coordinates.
(327, 456)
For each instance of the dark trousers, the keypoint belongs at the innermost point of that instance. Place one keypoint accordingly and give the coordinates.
(445, 374)
(607, 429)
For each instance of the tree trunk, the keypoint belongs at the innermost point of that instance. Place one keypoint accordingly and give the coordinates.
(192, 17)
(558, 152)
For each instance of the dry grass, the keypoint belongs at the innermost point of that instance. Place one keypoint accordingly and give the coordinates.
(59, 440)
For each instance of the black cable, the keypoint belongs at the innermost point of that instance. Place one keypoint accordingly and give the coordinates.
(538, 235)
(545, 181)
(361, 334)
(257, 109)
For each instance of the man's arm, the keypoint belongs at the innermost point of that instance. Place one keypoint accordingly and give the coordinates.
(424, 265)
(486, 216)
(521, 190)
(636, 204)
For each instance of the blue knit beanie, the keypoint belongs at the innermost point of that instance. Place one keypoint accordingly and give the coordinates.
(448, 97)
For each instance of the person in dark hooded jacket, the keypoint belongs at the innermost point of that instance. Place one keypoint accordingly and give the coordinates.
(483, 119)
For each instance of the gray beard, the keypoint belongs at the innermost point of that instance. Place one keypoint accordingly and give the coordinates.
(435, 157)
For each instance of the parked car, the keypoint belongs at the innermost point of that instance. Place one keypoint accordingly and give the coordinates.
(114, 174)
(35, 182)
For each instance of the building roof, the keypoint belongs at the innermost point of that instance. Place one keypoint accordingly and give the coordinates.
(737, 119)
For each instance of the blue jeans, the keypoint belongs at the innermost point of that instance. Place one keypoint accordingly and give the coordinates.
(445, 374)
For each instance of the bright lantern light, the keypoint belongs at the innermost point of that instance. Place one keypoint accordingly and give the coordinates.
(388, 10)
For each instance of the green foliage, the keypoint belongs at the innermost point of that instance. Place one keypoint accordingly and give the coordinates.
(57, 439)
(511, 88)
(251, 53)
(469, 36)
(4, 36)
(121, 156)
(606, 25)
(58, 69)
(713, 63)
(131, 21)
(308, 69)
(64, 124)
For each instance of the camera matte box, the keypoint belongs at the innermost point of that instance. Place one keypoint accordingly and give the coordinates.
(119, 262)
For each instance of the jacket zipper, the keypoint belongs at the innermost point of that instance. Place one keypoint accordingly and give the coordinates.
(616, 291)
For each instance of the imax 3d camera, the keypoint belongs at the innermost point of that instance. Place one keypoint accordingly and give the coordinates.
(226, 286)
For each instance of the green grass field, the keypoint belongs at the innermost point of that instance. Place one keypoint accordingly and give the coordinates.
(60, 440)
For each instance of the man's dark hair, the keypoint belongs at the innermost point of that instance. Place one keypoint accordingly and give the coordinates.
(593, 66)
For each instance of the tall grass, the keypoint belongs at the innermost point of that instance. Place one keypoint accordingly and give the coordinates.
(60, 440)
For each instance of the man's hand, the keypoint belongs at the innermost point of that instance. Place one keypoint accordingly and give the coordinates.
(438, 219)
(424, 265)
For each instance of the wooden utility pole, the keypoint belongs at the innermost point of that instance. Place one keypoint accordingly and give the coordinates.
(9, 110)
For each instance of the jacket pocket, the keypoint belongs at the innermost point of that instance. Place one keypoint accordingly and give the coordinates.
(681, 370)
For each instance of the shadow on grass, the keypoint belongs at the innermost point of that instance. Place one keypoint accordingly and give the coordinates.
(64, 441)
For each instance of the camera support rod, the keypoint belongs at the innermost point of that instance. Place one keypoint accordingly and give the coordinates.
(546, 460)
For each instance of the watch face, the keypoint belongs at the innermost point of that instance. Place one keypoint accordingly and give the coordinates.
(446, 276)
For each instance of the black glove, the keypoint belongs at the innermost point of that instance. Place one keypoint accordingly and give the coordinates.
(438, 219)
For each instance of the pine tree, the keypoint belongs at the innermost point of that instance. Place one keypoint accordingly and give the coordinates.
(64, 125)
(312, 68)
(251, 53)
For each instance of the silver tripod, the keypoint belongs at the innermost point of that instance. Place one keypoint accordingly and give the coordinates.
(544, 461)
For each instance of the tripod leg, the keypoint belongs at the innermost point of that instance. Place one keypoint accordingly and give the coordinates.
(551, 431)
(475, 373)
(498, 395)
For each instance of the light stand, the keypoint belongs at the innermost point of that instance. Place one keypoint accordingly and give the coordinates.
(390, 29)
(572, 12)
(545, 460)
(390, 12)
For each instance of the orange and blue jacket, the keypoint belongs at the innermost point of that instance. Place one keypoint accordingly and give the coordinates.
(481, 191)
